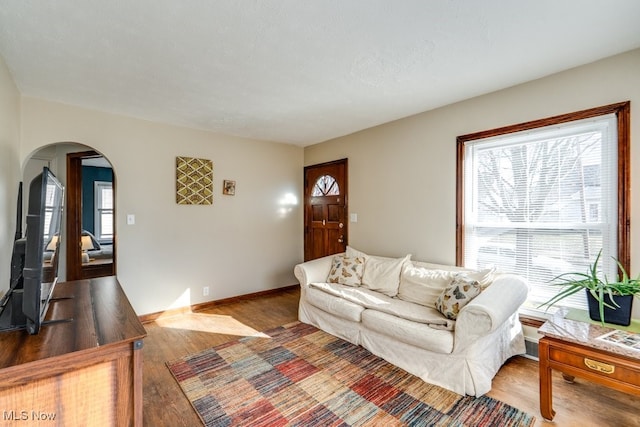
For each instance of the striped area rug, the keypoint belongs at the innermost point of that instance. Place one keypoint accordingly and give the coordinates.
(302, 376)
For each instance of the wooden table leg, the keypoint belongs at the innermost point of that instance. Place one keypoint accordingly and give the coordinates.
(546, 401)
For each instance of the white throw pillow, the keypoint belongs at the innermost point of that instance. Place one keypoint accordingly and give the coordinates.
(423, 285)
(458, 294)
(354, 253)
(483, 277)
(383, 275)
(346, 271)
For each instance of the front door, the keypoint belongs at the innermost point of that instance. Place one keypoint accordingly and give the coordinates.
(325, 209)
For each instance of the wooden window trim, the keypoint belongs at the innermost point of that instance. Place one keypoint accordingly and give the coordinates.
(533, 322)
(622, 110)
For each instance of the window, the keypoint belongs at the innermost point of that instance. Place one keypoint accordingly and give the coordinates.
(326, 185)
(103, 210)
(594, 209)
(544, 198)
(49, 204)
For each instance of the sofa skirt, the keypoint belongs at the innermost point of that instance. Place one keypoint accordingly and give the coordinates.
(464, 372)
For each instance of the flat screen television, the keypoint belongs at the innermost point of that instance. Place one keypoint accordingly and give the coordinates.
(34, 276)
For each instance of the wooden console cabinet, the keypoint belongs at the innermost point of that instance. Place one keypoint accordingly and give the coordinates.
(82, 369)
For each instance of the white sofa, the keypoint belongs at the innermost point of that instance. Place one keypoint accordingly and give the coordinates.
(462, 355)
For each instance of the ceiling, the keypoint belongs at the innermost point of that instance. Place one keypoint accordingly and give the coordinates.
(292, 71)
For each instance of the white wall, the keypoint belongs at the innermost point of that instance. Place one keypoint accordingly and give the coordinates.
(402, 175)
(241, 244)
(401, 179)
(9, 169)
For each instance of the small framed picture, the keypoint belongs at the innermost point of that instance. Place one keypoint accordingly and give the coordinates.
(229, 187)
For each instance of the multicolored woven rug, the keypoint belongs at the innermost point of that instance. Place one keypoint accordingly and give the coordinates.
(302, 376)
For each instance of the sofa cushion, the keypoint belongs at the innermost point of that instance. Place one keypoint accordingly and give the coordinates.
(417, 334)
(354, 253)
(485, 276)
(423, 285)
(367, 298)
(383, 274)
(335, 305)
(458, 294)
(346, 270)
(382, 271)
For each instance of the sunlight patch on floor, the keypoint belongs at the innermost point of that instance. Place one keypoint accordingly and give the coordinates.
(212, 323)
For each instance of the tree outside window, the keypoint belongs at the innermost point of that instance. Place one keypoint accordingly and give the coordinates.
(541, 201)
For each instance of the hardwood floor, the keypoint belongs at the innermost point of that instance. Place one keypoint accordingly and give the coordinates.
(578, 404)
(173, 337)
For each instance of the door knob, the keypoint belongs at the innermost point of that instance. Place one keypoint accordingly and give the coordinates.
(341, 239)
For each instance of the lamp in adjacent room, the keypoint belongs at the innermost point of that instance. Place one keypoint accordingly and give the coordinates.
(53, 243)
(51, 250)
(86, 243)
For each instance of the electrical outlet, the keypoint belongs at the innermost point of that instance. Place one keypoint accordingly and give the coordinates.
(205, 291)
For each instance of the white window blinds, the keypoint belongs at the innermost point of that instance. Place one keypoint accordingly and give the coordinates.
(543, 202)
(103, 210)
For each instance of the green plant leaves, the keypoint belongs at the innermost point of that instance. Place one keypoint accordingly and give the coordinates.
(572, 283)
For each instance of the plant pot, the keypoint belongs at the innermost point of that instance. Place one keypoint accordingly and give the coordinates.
(618, 316)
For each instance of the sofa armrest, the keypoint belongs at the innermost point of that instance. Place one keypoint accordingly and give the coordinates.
(312, 271)
(494, 306)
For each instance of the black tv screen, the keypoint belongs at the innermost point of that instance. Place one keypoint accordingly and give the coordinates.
(44, 219)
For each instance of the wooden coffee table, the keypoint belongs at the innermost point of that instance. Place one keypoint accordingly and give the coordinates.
(571, 347)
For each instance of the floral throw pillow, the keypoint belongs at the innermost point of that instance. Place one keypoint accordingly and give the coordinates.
(346, 270)
(458, 294)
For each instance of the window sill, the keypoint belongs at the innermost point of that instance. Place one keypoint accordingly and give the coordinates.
(533, 322)
(533, 317)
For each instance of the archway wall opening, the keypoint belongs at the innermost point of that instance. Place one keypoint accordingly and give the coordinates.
(241, 244)
(54, 156)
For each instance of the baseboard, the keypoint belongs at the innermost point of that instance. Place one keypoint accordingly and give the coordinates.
(148, 318)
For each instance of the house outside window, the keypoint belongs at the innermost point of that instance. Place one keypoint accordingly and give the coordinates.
(542, 199)
(103, 210)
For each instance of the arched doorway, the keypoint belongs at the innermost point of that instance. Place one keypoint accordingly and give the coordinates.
(89, 212)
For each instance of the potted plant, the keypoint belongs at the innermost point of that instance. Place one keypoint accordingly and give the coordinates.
(609, 302)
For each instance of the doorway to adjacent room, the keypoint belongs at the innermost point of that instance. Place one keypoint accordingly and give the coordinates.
(90, 216)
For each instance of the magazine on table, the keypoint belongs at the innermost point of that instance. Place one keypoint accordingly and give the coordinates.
(622, 338)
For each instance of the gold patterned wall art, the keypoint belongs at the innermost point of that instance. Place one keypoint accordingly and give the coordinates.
(194, 181)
